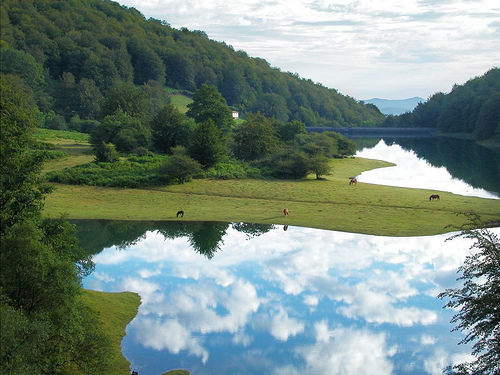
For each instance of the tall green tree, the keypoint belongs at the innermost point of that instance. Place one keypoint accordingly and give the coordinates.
(209, 104)
(44, 326)
(168, 129)
(21, 192)
(256, 138)
(478, 300)
(206, 144)
(127, 133)
(127, 98)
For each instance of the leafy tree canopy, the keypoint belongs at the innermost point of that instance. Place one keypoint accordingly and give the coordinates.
(478, 300)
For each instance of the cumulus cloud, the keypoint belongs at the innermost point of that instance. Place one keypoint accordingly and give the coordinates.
(379, 308)
(279, 324)
(347, 351)
(364, 48)
(168, 334)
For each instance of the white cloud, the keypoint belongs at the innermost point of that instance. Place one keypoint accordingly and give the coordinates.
(347, 351)
(379, 308)
(168, 334)
(412, 171)
(279, 324)
(366, 48)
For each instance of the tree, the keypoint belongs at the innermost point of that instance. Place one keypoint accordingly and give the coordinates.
(208, 104)
(290, 165)
(168, 129)
(256, 138)
(320, 166)
(106, 153)
(126, 98)
(126, 132)
(288, 131)
(478, 300)
(44, 326)
(181, 167)
(21, 192)
(206, 145)
(272, 105)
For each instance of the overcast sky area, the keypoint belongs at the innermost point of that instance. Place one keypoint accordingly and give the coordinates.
(390, 49)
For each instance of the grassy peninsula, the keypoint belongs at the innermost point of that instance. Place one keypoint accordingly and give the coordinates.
(330, 203)
(115, 311)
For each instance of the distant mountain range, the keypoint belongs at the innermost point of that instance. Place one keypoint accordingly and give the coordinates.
(395, 107)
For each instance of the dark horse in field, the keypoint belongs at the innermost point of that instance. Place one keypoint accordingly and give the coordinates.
(180, 213)
(286, 212)
(353, 181)
(434, 197)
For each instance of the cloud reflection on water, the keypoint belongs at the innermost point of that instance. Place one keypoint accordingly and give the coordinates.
(410, 171)
(302, 300)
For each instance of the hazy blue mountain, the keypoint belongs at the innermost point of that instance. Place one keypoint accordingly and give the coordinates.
(395, 107)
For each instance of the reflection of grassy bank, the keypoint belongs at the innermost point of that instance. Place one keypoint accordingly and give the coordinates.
(330, 204)
(115, 310)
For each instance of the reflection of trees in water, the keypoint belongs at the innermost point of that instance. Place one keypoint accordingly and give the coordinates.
(205, 238)
(252, 229)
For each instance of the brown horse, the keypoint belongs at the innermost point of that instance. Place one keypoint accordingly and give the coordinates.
(286, 212)
(353, 181)
(434, 197)
(180, 213)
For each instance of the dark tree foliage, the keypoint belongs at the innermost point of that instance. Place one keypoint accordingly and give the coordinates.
(181, 168)
(478, 300)
(127, 133)
(209, 104)
(110, 44)
(168, 129)
(206, 238)
(206, 145)
(21, 192)
(44, 326)
(469, 108)
(256, 138)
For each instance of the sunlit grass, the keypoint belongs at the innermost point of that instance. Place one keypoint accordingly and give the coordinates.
(115, 311)
(330, 203)
(181, 102)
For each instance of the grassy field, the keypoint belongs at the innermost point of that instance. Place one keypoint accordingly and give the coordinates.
(330, 204)
(181, 102)
(115, 310)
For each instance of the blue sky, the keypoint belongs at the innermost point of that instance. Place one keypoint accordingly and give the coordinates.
(363, 48)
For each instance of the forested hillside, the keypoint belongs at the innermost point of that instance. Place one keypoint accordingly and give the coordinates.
(74, 53)
(473, 108)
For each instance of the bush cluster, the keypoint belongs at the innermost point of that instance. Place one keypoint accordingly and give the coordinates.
(134, 172)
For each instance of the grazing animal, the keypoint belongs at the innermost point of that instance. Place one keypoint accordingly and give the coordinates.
(286, 212)
(434, 197)
(180, 213)
(353, 181)
(285, 227)
(135, 373)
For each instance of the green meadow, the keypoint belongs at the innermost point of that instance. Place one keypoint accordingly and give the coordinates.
(330, 203)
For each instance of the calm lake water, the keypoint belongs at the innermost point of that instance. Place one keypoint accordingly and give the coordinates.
(221, 298)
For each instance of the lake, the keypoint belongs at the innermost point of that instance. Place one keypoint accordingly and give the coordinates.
(239, 298)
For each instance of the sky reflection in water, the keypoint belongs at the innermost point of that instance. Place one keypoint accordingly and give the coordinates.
(411, 171)
(288, 302)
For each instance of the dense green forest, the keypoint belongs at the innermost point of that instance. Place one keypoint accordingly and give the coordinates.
(473, 108)
(74, 54)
